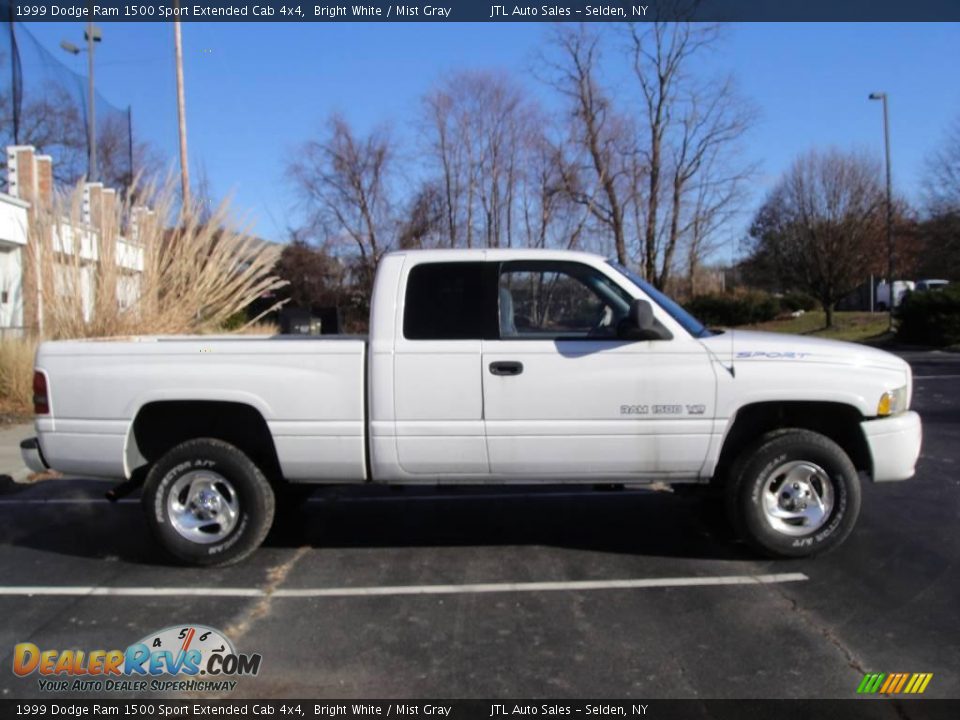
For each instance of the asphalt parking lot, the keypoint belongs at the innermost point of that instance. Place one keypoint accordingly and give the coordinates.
(886, 601)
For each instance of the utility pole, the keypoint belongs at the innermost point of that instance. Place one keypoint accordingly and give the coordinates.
(94, 176)
(15, 97)
(890, 246)
(182, 117)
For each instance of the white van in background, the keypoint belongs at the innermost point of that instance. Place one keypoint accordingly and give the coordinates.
(931, 285)
(881, 297)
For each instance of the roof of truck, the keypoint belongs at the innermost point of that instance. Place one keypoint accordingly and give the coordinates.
(497, 254)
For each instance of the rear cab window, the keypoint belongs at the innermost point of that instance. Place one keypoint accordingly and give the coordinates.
(448, 301)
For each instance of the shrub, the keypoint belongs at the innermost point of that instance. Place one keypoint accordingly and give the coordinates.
(742, 308)
(931, 317)
(235, 322)
(793, 301)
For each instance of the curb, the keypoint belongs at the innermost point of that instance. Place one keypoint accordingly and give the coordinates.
(19, 477)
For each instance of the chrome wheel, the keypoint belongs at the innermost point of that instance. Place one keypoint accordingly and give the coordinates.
(797, 498)
(203, 506)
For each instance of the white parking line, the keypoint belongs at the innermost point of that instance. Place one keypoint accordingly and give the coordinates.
(61, 501)
(470, 588)
(936, 377)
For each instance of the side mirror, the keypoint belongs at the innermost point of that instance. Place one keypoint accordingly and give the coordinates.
(640, 324)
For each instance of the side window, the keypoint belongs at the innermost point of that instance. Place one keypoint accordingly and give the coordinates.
(558, 300)
(444, 302)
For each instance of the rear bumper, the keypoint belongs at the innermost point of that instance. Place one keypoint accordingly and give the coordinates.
(894, 445)
(33, 456)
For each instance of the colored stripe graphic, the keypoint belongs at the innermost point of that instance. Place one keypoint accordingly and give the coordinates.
(894, 683)
(923, 679)
(890, 681)
(871, 683)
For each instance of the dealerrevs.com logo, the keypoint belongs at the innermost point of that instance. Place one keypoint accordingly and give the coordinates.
(180, 658)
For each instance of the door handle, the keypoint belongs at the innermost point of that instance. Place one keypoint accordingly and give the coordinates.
(507, 367)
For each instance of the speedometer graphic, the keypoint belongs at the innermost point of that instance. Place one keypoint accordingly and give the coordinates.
(178, 640)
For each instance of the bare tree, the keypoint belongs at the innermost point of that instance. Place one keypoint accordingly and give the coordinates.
(122, 163)
(821, 227)
(597, 174)
(549, 217)
(344, 181)
(691, 128)
(715, 198)
(476, 124)
(940, 228)
(452, 151)
(52, 123)
(426, 219)
(942, 182)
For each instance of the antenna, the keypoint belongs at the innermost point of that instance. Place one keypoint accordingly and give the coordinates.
(732, 369)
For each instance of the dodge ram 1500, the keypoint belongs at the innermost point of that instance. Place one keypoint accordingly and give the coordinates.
(482, 366)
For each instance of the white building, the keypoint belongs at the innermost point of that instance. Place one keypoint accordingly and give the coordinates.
(29, 190)
(13, 240)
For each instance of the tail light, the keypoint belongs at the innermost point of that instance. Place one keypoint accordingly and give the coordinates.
(41, 403)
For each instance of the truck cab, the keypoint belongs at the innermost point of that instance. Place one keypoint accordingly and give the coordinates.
(504, 366)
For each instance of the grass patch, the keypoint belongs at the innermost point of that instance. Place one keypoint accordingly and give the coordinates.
(852, 326)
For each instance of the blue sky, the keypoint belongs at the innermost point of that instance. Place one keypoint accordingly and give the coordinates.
(254, 91)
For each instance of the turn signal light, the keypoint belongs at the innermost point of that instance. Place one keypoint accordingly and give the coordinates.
(892, 402)
(883, 407)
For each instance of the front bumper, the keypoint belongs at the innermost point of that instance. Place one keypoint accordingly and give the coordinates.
(33, 456)
(894, 444)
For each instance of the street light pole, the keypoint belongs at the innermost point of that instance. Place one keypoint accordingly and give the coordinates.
(890, 246)
(92, 35)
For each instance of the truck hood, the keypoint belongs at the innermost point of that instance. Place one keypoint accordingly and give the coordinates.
(752, 346)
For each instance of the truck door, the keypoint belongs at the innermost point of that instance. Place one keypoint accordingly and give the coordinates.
(437, 377)
(564, 398)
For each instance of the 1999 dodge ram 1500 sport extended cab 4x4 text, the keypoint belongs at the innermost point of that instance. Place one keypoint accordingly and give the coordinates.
(482, 366)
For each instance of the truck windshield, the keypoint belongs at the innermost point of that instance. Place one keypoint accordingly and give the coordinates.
(673, 309)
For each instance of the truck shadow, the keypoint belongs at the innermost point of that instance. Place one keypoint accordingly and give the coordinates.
(631, 522)
(640, 523)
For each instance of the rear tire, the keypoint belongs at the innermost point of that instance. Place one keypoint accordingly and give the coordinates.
(207, 503)
(794, 493)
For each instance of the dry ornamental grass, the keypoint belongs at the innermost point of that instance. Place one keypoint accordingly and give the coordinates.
(16, 375)
(137, 277)
(152, 279)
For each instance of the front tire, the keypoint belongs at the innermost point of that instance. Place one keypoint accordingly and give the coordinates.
(794, 493)
(207, 503)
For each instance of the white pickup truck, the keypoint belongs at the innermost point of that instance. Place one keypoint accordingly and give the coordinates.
(482, 366)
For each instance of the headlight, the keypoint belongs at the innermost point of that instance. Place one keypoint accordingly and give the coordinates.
(892, 402)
